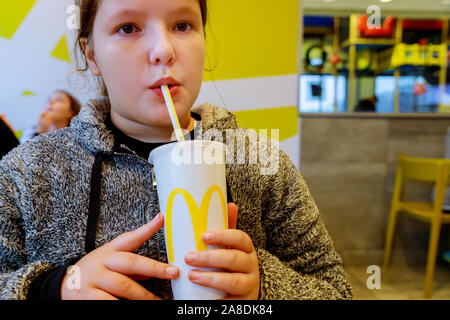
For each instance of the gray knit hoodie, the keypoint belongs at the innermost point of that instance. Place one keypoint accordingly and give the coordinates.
(46, 200)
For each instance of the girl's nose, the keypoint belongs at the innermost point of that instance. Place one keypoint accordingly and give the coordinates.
(162, 50)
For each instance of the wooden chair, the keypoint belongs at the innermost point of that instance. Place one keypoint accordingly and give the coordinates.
(420, 169)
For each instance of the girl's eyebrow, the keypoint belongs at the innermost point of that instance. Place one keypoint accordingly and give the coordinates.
(184, 10)
(125, 13)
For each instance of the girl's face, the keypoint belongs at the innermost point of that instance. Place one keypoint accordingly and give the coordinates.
(135, 45)
(59, 106)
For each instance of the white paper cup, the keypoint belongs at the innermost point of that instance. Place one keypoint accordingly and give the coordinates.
(192, 194)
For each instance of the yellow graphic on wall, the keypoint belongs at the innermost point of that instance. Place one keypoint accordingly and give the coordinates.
(12, 14)
(28, 93)
(199, 216)
(61, 50)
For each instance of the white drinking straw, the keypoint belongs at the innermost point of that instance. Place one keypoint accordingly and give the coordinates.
(172, 113)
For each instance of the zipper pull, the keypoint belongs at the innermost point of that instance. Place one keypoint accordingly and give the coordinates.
(154, 180)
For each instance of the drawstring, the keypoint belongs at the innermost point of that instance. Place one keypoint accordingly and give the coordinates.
(94, 202)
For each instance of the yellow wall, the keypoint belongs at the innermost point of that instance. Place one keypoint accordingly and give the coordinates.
(252, 39)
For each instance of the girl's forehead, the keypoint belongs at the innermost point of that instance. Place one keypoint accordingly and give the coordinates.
(114, 8)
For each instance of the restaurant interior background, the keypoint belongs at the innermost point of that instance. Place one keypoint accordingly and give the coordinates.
(396, 51)
(310, 68)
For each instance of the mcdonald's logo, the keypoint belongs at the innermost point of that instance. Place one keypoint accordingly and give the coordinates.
(199, 216)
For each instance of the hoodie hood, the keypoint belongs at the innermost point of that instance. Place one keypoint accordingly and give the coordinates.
(90, 129)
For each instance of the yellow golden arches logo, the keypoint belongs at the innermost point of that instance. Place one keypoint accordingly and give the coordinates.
(199, 216)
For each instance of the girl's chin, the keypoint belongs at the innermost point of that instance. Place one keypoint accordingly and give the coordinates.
(157, 117)
(156, 121)
(159, 114)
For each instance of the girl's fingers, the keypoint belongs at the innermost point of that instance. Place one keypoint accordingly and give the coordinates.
(121, 286)
(232, 298)
(97, 294)
(235, 284)
(133, 240)
(231, 238)
(139, 266)
(231, 260)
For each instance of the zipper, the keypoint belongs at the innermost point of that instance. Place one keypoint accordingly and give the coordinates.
(142, 160)
(146, 163)
(154, 179)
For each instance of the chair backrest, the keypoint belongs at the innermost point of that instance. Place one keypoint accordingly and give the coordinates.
(423, 169)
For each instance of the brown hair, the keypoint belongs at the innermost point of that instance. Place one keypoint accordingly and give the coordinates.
(75, 105)
(88, 11)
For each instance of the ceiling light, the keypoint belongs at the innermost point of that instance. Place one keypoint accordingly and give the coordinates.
(385, 1)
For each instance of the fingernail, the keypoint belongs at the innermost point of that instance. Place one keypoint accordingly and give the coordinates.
(173, 271)
(195, 276)
(157, 218)
(207, 236)
(189, 258)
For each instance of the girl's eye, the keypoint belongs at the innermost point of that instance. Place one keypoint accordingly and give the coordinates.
(127, 29)
(183, 27)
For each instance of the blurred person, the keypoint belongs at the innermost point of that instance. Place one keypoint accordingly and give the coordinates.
(367, 105)
(61, 108)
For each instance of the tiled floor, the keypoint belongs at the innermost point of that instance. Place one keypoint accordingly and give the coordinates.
(399, 282)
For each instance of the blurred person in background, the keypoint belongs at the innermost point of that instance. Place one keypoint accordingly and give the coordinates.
(367, 105)
(61, 108)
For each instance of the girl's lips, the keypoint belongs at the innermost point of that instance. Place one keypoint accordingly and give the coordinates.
(172, 89)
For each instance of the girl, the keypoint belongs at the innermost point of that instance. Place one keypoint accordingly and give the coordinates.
(61, 108)
(83, 195)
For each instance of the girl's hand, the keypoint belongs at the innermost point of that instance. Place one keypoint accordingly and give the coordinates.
(111, 270)
(241, 281)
